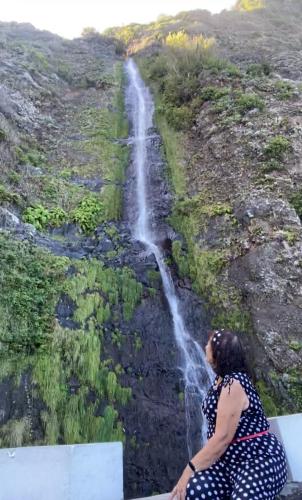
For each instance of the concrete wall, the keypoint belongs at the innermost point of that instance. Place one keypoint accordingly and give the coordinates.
(67, 472)
(288, 429)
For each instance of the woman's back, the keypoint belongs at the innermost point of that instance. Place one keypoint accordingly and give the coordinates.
(252, 420)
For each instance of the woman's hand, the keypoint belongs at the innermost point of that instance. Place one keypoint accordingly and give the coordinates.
(179, 491)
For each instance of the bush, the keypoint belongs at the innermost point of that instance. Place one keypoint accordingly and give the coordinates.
(41, 217)
(38, 216)
(259, 69)
(179, 118)
(276, 147)
(249, 5)
(89, 213)
(284, 90)
(213, 93)
(246, 102)
(7, 196)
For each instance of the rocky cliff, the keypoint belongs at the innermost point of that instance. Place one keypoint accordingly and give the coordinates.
(228, 91)
(83, 356)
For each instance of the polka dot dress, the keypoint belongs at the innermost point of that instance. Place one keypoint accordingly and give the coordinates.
(253, 469)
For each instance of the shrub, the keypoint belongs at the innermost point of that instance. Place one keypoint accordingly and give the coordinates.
(7, 196)
(38, 216)
(259, 69)
(179, 118)
(212, 93)
(32, 157)
(249, 5)
(246, 102)
(89, 213)
(57, 216)
(276, 147)
(284, 90)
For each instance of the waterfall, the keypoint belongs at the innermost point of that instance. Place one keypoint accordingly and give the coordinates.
(196, 372)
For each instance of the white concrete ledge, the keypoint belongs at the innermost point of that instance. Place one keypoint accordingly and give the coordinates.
(288, 429)
(66, 472)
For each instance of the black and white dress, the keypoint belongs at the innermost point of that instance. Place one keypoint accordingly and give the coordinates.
(252, 469)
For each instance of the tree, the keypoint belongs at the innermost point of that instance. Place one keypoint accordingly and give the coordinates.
(249, 5)
(89, 31)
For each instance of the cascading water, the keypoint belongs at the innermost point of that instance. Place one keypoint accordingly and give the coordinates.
(196, 371)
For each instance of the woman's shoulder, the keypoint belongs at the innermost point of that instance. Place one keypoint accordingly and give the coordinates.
(242, 377)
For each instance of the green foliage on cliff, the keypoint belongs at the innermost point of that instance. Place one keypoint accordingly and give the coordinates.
(30, 283)
(249, 5)
(277, 147)
(117, 286)
(65, 377)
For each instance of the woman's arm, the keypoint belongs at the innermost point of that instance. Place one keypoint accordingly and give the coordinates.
(232, 401)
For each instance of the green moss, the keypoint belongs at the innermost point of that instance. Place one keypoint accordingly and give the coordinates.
(295, 387)
(116, 286)
(270, 408)
(70, 416)
(31, 280)
(117, 338)
(15, 433)
(137, 342)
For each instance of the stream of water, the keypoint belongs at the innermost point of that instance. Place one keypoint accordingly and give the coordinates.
(196, 372)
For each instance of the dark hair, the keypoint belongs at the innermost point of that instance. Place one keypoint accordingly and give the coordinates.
(228, 353)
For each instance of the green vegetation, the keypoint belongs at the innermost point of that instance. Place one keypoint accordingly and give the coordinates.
(55, 198)
(174, 75)
(41, 217)
(249, 5)
(295, 387)
(15, 433)
(31, 281)
(66, 365)
(71, 415)
(259, 70)
(8, 196)
(296, 202)
(2, 135)
(89, 213)
(30, 156)
(295, 345)
(284, 90)
(137, 342)
(117, 286)
(175, 72)
(277, 147)
(270, 408)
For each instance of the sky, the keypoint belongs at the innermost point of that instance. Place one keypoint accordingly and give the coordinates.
(68, 17)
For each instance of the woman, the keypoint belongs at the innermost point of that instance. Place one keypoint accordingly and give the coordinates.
(241, 460)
